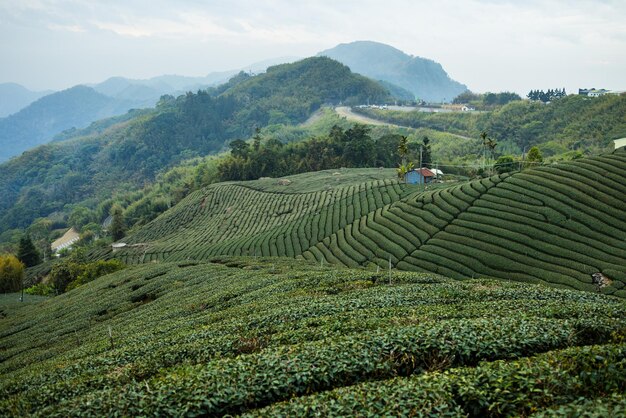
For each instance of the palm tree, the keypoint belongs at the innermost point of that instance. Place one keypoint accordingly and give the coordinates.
(403, 169)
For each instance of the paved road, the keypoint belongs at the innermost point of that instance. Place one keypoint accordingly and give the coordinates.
(350, 115)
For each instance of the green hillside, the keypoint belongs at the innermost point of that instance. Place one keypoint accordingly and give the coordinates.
(95, 163)
(572, 123)
(557, 224)
(275, 337)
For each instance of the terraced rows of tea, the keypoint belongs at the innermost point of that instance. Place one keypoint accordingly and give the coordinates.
(559, 224)
(239, 220)
(280, 337)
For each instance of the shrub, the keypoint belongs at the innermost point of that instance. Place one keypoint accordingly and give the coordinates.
(11, 273)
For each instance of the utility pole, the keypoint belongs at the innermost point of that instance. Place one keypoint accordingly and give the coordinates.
(421, 174)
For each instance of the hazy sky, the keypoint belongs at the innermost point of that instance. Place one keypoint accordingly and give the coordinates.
(490, 45)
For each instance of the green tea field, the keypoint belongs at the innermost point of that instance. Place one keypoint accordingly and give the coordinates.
(560, 225)
(279, 337)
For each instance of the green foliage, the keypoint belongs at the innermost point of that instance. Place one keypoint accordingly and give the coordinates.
(72, 273)
(542, 225)
(534, 157)
(572, 123)
(505, 164)
(97, 164)
(11, 273)
(27, 253)
(118, 227)
(40, 289)
(486, 100)
(237, 335)
(352, 147)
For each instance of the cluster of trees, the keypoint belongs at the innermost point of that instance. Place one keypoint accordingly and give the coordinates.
(74, 272)
(509, 163)
(352, 147)
(12, 267)
(485, 100)
(546, 96)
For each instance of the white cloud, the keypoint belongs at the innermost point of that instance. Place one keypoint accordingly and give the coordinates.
(487, 44)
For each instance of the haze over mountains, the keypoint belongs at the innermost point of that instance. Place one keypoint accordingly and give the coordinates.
(38, 121)
(425, 78)
(39, 116)
(14, 97)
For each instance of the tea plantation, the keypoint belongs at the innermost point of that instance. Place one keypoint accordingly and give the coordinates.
(278, 337)
(559, 224)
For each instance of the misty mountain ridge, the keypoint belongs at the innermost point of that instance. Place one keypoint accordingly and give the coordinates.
(41, 120)
(147, 92)
(38, 122)
(14, 97)
(423, 77)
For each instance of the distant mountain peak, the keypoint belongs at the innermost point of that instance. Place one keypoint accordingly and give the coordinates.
(423, 77)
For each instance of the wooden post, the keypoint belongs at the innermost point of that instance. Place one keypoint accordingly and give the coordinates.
(111, 337)
(390, 269)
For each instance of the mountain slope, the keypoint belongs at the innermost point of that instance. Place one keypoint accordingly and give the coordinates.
(41, 120)
(14, 97)
(96, 163)
(541, 226)
(242, 336)
(425, 78)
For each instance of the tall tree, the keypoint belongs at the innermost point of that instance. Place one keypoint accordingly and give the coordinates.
(256, 139)
(426, 155)
(27, 253)
(534, 157)
(117, 225)
(403, 149)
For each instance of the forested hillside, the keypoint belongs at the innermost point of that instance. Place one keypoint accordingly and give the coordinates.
(571, 123)
(40, 121)
(126, 155)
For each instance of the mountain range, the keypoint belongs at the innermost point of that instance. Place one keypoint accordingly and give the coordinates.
(122, 154)
(14, 97)
(45, 116)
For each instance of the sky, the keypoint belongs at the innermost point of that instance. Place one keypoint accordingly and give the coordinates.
(489, 45)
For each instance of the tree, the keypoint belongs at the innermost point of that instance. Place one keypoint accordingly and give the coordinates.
(533, 158)
(403, 169)
(403, 149)
(504, 164)
(256, 139)
(426, 155)
(239, 148)
(27, 253)
(11, 273)
(117, 225)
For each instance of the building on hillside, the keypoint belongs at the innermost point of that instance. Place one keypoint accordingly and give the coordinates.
(438, 173)
(70, 237)
(619, 143)
(593, 92)
(419, 176)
